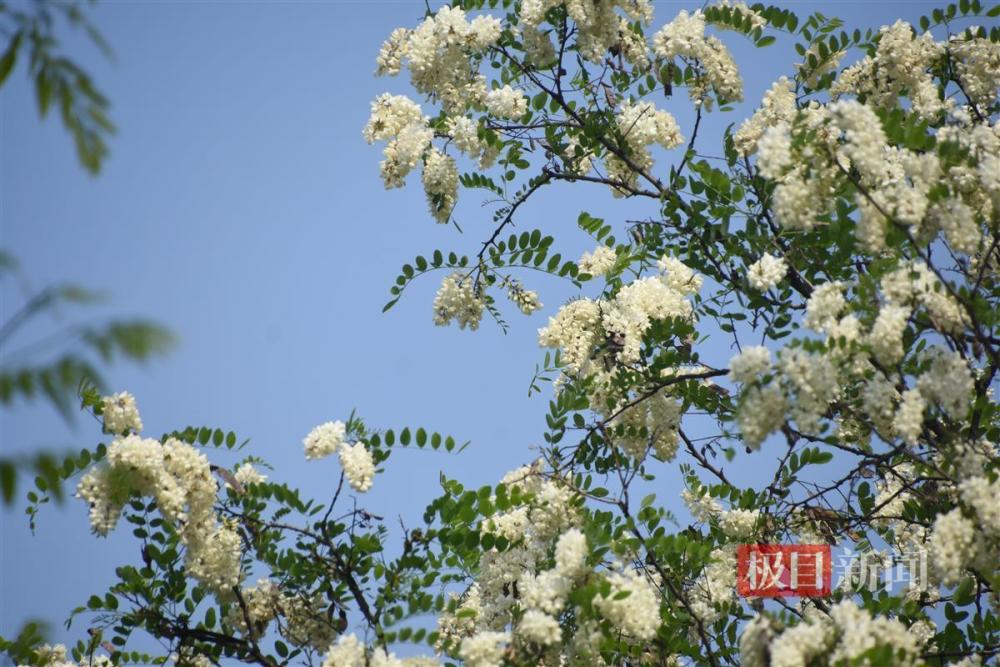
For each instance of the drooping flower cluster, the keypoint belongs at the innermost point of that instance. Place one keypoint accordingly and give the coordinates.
(398, 120)
(598, 262)
(642, 125)
(900, 63)
(180, 479)
(777, 107)
(440, 179)
(247, 475)
(355, 459)
(685, 37)
(526, 300)
(633, 604)
(543, 522)
(325, 439)
(846, 634)
(57, 655)
(457, 299)
(600, 27)
(767, 272)
(442, 53)
(506, 102)
(582, 325)
(121, 416)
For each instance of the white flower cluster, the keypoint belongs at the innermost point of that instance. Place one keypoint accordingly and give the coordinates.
(807, 383)
(441, 53)
(539, 628)
(526, 300)
(506, 102)
(685, 37)
(900, 64)
(703, 507)
(824, 307)
(843, 636)
(582, 325)
(484, 649)
(262, 604)
(465, 134)
(803, 186)
(458, 300)
(307, 621)
(180, 479)
(598, 262)
(440, 180)
(349, 651)
(716, 586)
(57, 655)
(398, 120)
(633, 604)
(915, 284)
(739, 524)
(952, 545)
(767, 272)
(652, 424)
(981, 494)
(120, 413)
(358, 466)
(521, 594)
(599, 27)
(538, 47)
(642, 125)
(899, 187)
(977, 64)
(750, 364)
(247, 475)
(325, 439)
(778, 106)
(355, 459)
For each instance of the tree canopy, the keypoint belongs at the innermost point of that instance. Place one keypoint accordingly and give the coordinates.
(843, 239)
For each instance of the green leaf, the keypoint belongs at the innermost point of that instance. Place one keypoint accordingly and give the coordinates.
(9, 58)
(8, 481)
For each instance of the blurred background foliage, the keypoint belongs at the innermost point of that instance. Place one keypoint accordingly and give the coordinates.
(29, 29)
(59, 364)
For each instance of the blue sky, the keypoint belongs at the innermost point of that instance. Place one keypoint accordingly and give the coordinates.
(241, 206)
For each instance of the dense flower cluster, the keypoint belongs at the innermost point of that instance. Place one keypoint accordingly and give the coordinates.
(582, 325)
(121, 416)
(325, 439)
(600, 26)
(506, 103)
(355, 459)
(846, 633)
(598, 262)
(642, 125)
(526, 300)
(900, 64)
(458, 300)
(180, 479)
(685, 37)
(777, 107)
(440, 54)
(766, 272)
